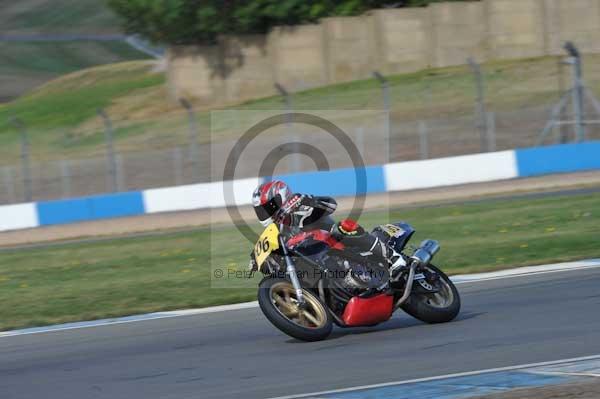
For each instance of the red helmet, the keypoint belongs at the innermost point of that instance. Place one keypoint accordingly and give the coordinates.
(268, 198)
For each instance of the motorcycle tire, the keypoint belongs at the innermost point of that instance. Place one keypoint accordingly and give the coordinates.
(268, 291)
(422, 306)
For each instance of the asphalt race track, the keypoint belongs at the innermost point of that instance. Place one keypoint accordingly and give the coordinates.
(238, 354)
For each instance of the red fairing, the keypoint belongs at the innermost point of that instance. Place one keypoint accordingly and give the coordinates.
(317, 235)
(368, 311)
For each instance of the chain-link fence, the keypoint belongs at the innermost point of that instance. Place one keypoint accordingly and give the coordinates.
(438, 113)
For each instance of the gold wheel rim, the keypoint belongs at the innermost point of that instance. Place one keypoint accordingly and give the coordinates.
(443, 298)
(283, 297)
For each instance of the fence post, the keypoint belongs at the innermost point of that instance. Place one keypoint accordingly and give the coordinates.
(360, 140)
(578, 107)
(178, 166)
(8, 182)
(563, 135)
(193, 137)
(121, 183)
(491, 131)
(112, 180)
(387, 101)
(65, 174)
(481, 119)
(287, 98)
(423, 140)
(25, 157)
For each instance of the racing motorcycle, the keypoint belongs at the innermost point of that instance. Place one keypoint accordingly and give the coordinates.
(311, 282)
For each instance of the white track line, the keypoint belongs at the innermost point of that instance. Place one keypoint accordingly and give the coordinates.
(525, 271)
(459, 279)
(128, 319)
(441, 377)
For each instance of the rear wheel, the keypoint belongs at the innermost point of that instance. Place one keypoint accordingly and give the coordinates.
(278, 302)
(437, 307)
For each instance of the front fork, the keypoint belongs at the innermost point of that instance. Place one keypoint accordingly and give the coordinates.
(291, 272)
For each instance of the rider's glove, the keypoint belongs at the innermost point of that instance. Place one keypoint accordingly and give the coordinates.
(252, 266)
(292, 204)
(290, 207)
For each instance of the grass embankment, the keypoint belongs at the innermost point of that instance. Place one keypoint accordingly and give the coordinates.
(69, 102)
(124, 276)
(62, 115)
(58, 16)
(27, 64)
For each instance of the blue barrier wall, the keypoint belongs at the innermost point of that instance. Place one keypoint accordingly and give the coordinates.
(90, 208)
(558, 159)
(339, 182)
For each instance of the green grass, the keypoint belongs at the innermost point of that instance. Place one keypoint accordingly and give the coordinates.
(78, 100)
(71, 102)
(58, 16)
(27, 65)
(125, 276)
(60, 58)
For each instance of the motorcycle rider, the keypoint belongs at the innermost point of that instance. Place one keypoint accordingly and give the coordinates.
(274, 202)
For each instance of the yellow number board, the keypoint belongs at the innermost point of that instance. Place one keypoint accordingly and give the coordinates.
(267, 243)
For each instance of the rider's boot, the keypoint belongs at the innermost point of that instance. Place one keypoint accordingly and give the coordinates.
(395, 260)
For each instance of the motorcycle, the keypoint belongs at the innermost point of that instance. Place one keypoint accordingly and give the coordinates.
(311, 282)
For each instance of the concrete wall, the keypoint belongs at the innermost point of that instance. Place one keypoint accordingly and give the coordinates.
(515, 28)
(390, 41)
(406, 36)
(575, 20)
(348, 48)
(247, 67)
(192, 72)
(298, 56)
(459, 32)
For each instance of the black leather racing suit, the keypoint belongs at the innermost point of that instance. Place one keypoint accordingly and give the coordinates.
(307, 212)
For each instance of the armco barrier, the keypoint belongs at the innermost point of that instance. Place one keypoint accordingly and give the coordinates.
(198, 196)
(337, 183)
(558, 159)
(90, 208)
(450, 171)
(18, 216)
(341, 182)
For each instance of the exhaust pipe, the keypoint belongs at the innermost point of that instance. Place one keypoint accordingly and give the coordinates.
(408, 287)
(426, 252)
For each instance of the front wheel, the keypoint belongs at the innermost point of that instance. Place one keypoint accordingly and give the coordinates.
(278, 302)
(438, 307)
